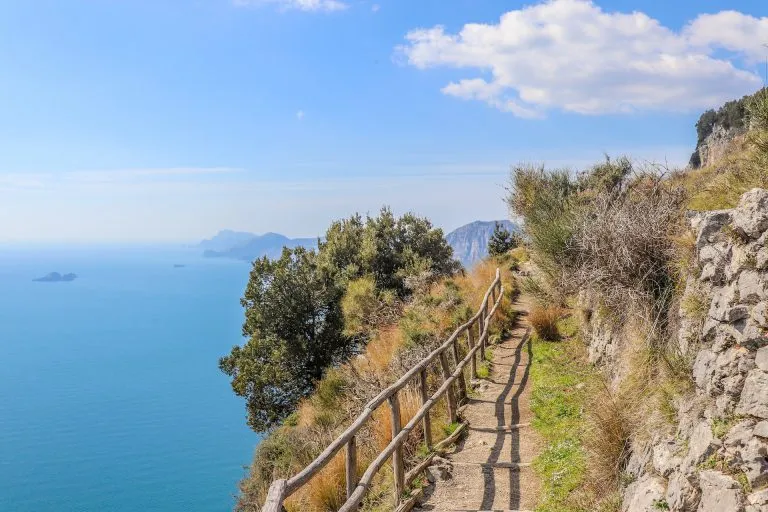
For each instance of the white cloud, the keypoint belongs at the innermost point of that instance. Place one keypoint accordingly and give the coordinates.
(301, 5)
(375, 8)
(300, 115)
(571, 55)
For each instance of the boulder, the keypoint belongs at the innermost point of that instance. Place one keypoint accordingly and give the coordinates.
(682, 495)
(710, 227)
(761, 359)
(750, 218)
(701, 445)
(744, 450)
(751, 287)
(719, 493)
(665, 456)
(754, 396)
(644, 494)
(758, 501)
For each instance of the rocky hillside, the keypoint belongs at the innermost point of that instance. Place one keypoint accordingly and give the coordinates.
(470, 242)
(716, 456)
(717, 129)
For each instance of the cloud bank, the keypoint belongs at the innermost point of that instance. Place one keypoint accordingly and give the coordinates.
(572, 56)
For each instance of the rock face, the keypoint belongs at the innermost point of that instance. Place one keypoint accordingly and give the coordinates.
(717, 459)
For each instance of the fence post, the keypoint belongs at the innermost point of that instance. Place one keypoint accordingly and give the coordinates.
(398, 464)
(426, 422)
(461, 383)
(471, 343)
(481, 338)
(450, 396)
(351, 466)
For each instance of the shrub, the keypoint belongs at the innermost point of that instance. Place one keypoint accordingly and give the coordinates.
(544, 322)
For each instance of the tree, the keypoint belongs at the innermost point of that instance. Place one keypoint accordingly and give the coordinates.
(295, 306)
(294, 326)
(502, 241)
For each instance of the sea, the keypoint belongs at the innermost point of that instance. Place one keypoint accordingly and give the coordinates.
(110, 394)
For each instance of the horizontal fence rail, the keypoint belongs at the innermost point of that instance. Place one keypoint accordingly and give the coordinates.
(280, 490)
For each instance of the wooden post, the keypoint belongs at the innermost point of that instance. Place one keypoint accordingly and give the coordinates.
(450, 396)
(471, 343)
(275, 497)
(426, 423)
(461, 383)
(398, 464)
(482, 330)
(351, 466)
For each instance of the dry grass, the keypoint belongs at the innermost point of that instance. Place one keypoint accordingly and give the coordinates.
(544, 321)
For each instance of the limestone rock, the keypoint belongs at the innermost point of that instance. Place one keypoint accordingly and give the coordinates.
(750, 218)
(761, 429)
(761, 259)
(644, 494)
(743, 449)
(761, 359)
(758, 501)
(719, 493)
(710, 227)
(751, 287)
(665, 458)
(754, 396)
(441, 469)
(701, 445)
(682, 494)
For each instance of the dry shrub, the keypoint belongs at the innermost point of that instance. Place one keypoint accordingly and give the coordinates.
(544, 321)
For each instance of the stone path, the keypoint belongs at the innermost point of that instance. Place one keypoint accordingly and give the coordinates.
(491, 465)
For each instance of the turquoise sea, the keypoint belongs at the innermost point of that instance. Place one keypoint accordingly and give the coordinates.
(110, 394)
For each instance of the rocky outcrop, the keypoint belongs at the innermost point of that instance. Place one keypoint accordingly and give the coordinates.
(717, 458)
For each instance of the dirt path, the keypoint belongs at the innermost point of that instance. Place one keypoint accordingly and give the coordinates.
(491, 465)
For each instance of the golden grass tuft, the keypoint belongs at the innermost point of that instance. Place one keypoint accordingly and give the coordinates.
(544, 319)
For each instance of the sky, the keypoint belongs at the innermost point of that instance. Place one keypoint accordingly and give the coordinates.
(168, 120)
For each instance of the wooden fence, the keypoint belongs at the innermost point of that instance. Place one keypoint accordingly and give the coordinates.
(280, 490)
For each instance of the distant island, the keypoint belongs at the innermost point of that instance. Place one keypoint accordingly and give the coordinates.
(55, 277)
(178, 265)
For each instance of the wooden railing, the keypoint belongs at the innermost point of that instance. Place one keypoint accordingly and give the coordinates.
(280, 490)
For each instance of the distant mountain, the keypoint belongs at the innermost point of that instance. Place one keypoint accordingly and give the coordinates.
(248, 246)
(470, 242)
(226, 239)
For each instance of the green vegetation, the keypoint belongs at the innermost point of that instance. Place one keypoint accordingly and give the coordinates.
(568, 415)
(557, 405)
(308, 311)
(502, 241)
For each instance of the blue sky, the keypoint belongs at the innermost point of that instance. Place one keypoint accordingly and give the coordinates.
(149, 120)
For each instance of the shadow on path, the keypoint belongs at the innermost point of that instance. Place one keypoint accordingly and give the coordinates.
(489, 489)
